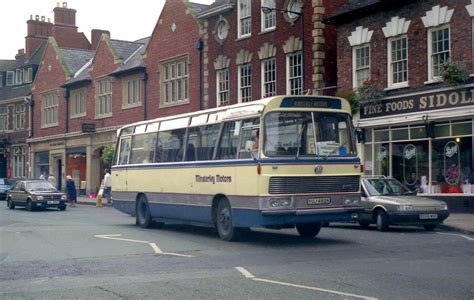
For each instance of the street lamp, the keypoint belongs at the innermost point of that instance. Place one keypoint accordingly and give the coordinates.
(266, 10)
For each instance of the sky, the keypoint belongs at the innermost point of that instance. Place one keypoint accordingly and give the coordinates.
(130, 20)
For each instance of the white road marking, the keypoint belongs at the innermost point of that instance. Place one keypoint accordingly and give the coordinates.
(463, 236)
(244, 272)
(151, 244)
(249, 275)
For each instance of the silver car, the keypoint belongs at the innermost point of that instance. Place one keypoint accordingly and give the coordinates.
(388, 202)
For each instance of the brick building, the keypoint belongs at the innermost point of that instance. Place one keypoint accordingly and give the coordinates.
(420, 129)
(16, 81)
(254, 49)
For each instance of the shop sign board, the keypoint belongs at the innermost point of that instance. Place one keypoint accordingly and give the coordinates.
(420, 102)
(88, 127)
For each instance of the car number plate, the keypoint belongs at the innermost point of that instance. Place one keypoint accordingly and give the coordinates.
(428, 216)
(53, 202)
(318, 201)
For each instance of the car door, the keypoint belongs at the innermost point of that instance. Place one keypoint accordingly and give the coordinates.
(15, 193)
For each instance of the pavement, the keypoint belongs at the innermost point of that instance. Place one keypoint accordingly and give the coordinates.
(456, 222)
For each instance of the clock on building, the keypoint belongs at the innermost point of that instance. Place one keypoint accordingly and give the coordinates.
(222, 29)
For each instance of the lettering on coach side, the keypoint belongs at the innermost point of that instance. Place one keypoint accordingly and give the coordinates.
(213, 179)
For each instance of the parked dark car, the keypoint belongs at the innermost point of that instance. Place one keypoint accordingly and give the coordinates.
(5, 186)
(388, 202)
(34, 194)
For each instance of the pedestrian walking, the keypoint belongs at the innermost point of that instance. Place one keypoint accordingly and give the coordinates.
(52, 180)
(108, 186)
(71, 191)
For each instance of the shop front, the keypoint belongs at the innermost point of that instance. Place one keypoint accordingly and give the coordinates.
(425, 140)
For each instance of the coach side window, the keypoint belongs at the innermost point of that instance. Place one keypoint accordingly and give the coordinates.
(201, 142)
(143, 148)
(229, 140)
(170, 145)
(124, 151)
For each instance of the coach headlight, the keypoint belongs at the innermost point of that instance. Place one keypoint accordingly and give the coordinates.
(352, 200)
(280, 202)
(63, 197)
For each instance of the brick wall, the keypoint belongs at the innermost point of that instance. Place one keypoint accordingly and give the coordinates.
(460, 32)
(166, 44)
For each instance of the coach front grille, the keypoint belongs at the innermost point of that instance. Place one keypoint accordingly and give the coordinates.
(313, 184)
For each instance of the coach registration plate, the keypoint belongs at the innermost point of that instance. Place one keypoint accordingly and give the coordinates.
(318, 201)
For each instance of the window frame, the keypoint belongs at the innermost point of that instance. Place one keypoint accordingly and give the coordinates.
(431, 75)
(50, 111)
(105, 96)
(73, 112)
(135, 84)
(354, 64)
(170, 81)
(3, 118)
(390, 62)
(248, 87)
(19, 116)
(10, 81)
(289, 67)
(269, 83)
(244, 21)
(270, 17)
(222, 93)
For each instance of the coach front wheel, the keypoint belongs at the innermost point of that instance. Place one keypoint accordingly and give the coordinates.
(308, 230)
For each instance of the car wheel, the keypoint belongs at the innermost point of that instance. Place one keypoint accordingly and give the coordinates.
(308, 230)
(10, 204)
(382, 221)
(29, 205)
(143, 215)
(429, 227)
(224, 222)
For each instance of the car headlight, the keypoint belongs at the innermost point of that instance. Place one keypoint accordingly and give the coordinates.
(280, 202)
(63, 197)
(405, 207)
(39, 198)
(443, 206)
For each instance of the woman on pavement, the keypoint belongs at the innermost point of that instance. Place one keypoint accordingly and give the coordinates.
(71, 191)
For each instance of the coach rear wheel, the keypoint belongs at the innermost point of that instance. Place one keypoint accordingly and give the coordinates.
(224, 222)
(308, 230)
(143, 216)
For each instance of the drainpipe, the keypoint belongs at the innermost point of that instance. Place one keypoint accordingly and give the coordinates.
(144, 77)
(31, 115)
(66, 97)
(200, 47)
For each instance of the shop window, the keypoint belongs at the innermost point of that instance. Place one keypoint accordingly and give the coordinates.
(441, 130)
(368, 135)
(399, 134)
(382, 159)
(412, 159)
(381, 135)
(417, 132)
(464, 128)
(368, 163)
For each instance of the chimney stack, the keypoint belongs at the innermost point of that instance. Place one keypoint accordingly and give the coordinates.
(64, 16)
(96, 35)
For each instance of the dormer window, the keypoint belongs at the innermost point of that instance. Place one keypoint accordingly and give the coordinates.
(19, 76)
(10, 78)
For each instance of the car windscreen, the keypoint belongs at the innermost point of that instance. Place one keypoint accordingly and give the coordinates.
(385, 187)
(4, 181)
(43, 186)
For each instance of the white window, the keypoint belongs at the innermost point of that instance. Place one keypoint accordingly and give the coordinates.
(3, 118)
(174, 82)
(361, 67)
(1, 80)
(104, 98)
(78, 103)
(10, 78)
(19, 76)
(438, 50)
(398, 61)
(49, 109)
(132, 92)
(268, 18)
(245, 83)
(19, 161)
(294, 73)
(223, 87)
(245, 18)
(20, 116)
(268, 77)
(28, 75)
